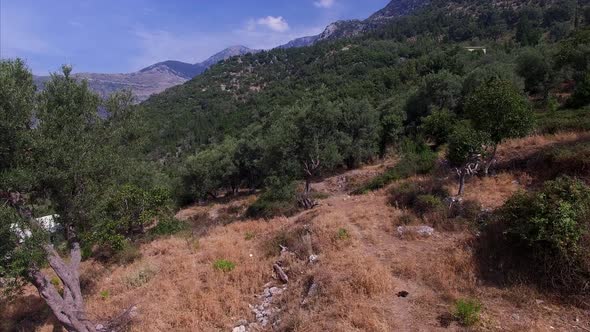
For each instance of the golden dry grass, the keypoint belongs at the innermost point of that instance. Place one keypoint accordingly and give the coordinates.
(176, 287)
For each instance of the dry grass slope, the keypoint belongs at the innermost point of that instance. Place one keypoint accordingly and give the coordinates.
(363, 265)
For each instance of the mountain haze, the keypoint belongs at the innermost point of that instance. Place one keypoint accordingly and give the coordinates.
(152, 79)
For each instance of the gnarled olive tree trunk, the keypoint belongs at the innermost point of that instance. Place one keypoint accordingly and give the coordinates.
(69, 307)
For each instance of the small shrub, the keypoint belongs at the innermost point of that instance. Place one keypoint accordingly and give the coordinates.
(141, 276)
(249, 236)
(55, 281)
(105, 294)
(224, 265)
(406, 219)
(167, 226)
(127, 255)
(467, 311)
(423, 197)
(343, 234)
(416, 159)
(279, 198)
(427, 203)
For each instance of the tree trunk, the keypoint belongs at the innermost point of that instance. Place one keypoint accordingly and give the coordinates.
(69, 307)
(490, 161)
(307, 185)
(461, 183)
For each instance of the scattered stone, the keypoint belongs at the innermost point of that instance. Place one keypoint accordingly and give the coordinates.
(275, 291)
(241, 322)
(240, 328)
(425, 231)
(516, 316)
(313, 259)
(403, 294)
(539, 302)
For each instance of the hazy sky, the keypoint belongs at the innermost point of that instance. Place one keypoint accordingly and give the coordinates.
(126, 35)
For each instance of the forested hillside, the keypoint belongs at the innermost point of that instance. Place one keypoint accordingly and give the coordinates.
(377, 87)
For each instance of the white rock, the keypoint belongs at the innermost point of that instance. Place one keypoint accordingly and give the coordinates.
(241, 328)
(420, 230)
(275, 291)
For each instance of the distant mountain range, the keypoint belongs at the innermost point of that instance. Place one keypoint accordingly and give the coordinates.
(163, 75)
(153, 79)
(351, 28)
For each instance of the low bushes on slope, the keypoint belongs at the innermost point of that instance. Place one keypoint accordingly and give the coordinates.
(417, 159)
(543, 237)
(563, 120)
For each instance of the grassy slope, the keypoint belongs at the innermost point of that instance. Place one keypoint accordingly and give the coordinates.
(176, 286)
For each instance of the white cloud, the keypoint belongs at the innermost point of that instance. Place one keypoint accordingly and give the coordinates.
(324, 3)
(278, 24)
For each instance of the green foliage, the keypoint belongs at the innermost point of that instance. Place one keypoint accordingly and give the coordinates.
(442, 90)
(249, 236)
(210, 170)
(224, 265)
(548, 230)
(126, 254)
(465, 144)
(581, 95)
(17, 96)
(553, 220)
(527, 33)
(167, 226)
(467, 311)
(105, 294)
(428, 203)
(422, 198)
(279, 198)
(536, 70)
(438, 125)
(499, 110)
(343, 234)
(416, 159)
(563, 120)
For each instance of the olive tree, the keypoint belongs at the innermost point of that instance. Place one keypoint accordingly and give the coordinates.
(498, 109)
(465, 151)
(63, 164)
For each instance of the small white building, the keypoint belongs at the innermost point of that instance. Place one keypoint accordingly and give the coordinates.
(482, 49)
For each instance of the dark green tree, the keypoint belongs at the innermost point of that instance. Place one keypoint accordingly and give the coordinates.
(536, 70)
(466, 147)
(360, 129)
(499, 110)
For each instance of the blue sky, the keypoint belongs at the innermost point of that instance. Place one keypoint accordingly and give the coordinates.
(111, 36)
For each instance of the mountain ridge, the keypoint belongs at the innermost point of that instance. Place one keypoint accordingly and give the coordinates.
(152, 79)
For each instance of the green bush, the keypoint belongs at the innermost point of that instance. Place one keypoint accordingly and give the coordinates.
(167, 226)
(224, 265)
(428, 203)
(126, 255)
(571, 160)
(563, 120)
(467, 311)
(554, 219)
(543, 236)
(420, 197)
(279, 198)
(416, 159)
(343, 234)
